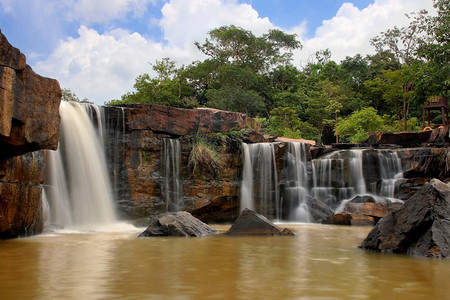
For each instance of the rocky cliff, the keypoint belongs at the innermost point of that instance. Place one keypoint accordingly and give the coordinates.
(29, 121)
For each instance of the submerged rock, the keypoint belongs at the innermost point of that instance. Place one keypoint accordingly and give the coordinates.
(420, 227)
(179, 223)
(250, 222)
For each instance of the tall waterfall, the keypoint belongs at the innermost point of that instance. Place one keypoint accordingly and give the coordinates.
(79, 193)
(260, 189)
(332, 179)
(172, 188)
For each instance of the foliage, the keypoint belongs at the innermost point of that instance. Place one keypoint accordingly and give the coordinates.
(356, 127)
(204, 157)
(322, 100)
(68, 95)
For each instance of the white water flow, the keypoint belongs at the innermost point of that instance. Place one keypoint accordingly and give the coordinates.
(259, 187)
(172, 187)
(79, 195)
(334, 179)
(343, 175)
(294, 200)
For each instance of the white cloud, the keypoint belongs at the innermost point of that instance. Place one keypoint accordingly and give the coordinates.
(350, 31)
(185, 22)
(103, 66)
(101, 11)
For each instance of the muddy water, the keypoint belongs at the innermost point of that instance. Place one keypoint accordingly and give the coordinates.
(320, 262)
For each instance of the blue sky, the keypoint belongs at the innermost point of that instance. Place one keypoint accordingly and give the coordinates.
(98, 47)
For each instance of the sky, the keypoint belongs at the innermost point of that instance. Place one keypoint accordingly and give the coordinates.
(97, 48)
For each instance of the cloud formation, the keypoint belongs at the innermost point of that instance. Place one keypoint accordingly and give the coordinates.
(103, 65)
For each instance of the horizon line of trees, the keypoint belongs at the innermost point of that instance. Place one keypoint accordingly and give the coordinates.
(325, 101)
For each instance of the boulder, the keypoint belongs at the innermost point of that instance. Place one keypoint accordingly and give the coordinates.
(29, 106)
(318, 210)
(250, 222)
(420, 227)
(179, 223)
(349, 219)
(377, 210)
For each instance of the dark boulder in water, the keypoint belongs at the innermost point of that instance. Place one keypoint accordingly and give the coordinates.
(179, 223)
(250, 222)
(420, 227)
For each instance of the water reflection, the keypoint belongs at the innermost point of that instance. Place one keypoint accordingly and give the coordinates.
(321, 262)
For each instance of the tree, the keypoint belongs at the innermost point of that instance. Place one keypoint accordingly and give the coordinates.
(68, 95)
(231, 44)
(357, 126)
(169, 87)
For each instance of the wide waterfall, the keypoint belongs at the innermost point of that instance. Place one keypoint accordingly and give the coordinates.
(332, 179)
(172, 187)
(79, 194)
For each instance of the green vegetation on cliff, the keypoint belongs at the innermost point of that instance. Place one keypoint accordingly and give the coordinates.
(324, 100)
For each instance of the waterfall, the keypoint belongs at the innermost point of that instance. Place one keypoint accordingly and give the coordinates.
(259, 187)
(296, 182)
(345, 174)
(333, 179)
(79, 195)
(172, 189)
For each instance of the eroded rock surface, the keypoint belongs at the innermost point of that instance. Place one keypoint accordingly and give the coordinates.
(179, 223)
(250, 222)
(420, 227)
(29, 104)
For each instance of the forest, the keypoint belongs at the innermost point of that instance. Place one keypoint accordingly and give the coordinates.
(324, 100)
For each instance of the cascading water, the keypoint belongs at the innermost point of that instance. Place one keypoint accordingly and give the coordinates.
(172, 188)
(260, 190)
(333, 179)
(79, 194)
(294, 204)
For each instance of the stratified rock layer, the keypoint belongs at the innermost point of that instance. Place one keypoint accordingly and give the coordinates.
(420, 227)
(29, 103)
(29, 121)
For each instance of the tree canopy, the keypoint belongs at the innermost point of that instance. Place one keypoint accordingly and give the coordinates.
(325, 100)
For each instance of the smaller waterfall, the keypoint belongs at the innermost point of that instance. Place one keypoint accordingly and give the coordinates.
(172, 188)
(294, 200)
(79, 195)
(259, 188)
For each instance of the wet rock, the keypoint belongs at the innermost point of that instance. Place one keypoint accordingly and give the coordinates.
(318, 210)
(350, 219)
(250, 222)
(377, 210)
(179, 223)
(420, 227)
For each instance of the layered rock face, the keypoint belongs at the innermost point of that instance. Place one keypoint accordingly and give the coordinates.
(29, 121)
(29, 105)
(21, 177)
(142, 193)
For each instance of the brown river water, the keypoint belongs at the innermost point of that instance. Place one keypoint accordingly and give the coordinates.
(320, 262)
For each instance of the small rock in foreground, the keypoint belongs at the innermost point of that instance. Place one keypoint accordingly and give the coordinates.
(252, 223)
(179, 223)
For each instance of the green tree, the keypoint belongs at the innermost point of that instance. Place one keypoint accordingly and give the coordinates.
(68, 95)
(169, 87)
(356, 127)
